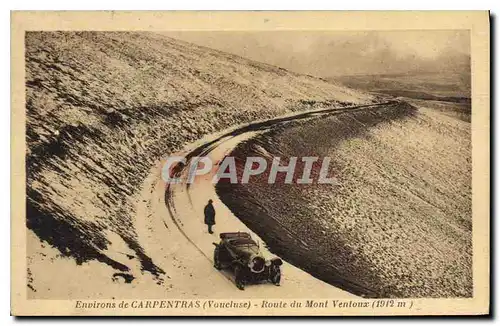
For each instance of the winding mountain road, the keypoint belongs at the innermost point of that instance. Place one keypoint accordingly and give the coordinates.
(184, 229)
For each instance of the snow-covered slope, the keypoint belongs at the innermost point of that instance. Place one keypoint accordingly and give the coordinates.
(102, 108)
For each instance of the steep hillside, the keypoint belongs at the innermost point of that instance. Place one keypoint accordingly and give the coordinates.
(398, 222)
(102, 108)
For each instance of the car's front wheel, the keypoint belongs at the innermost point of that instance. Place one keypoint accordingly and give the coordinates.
(239, 277)
(217, 263)
(276, 277)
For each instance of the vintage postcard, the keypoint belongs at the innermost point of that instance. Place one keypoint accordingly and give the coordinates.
(250, 163)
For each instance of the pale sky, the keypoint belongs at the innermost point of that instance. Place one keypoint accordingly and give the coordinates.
(330, 53)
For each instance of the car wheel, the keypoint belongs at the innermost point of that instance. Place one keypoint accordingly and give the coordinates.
(217, 263)
(239, 278)
(276, 279)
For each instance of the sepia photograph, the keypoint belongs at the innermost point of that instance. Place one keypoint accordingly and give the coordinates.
(250, 163)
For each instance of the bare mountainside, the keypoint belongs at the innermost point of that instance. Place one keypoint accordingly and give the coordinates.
(102, 108)
(398, 221)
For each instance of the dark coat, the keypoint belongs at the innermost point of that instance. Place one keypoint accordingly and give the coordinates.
(209, 214)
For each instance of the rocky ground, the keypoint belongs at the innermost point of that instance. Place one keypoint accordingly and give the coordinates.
(397, 224)
(102, 108)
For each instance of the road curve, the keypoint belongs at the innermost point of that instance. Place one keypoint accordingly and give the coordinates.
(185, 203)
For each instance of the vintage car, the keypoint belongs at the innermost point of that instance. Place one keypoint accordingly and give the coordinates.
(239, 252)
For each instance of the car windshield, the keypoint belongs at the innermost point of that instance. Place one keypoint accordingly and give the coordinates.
(243, 242)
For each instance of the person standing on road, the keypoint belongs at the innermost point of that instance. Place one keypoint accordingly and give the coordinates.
(210, 216)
